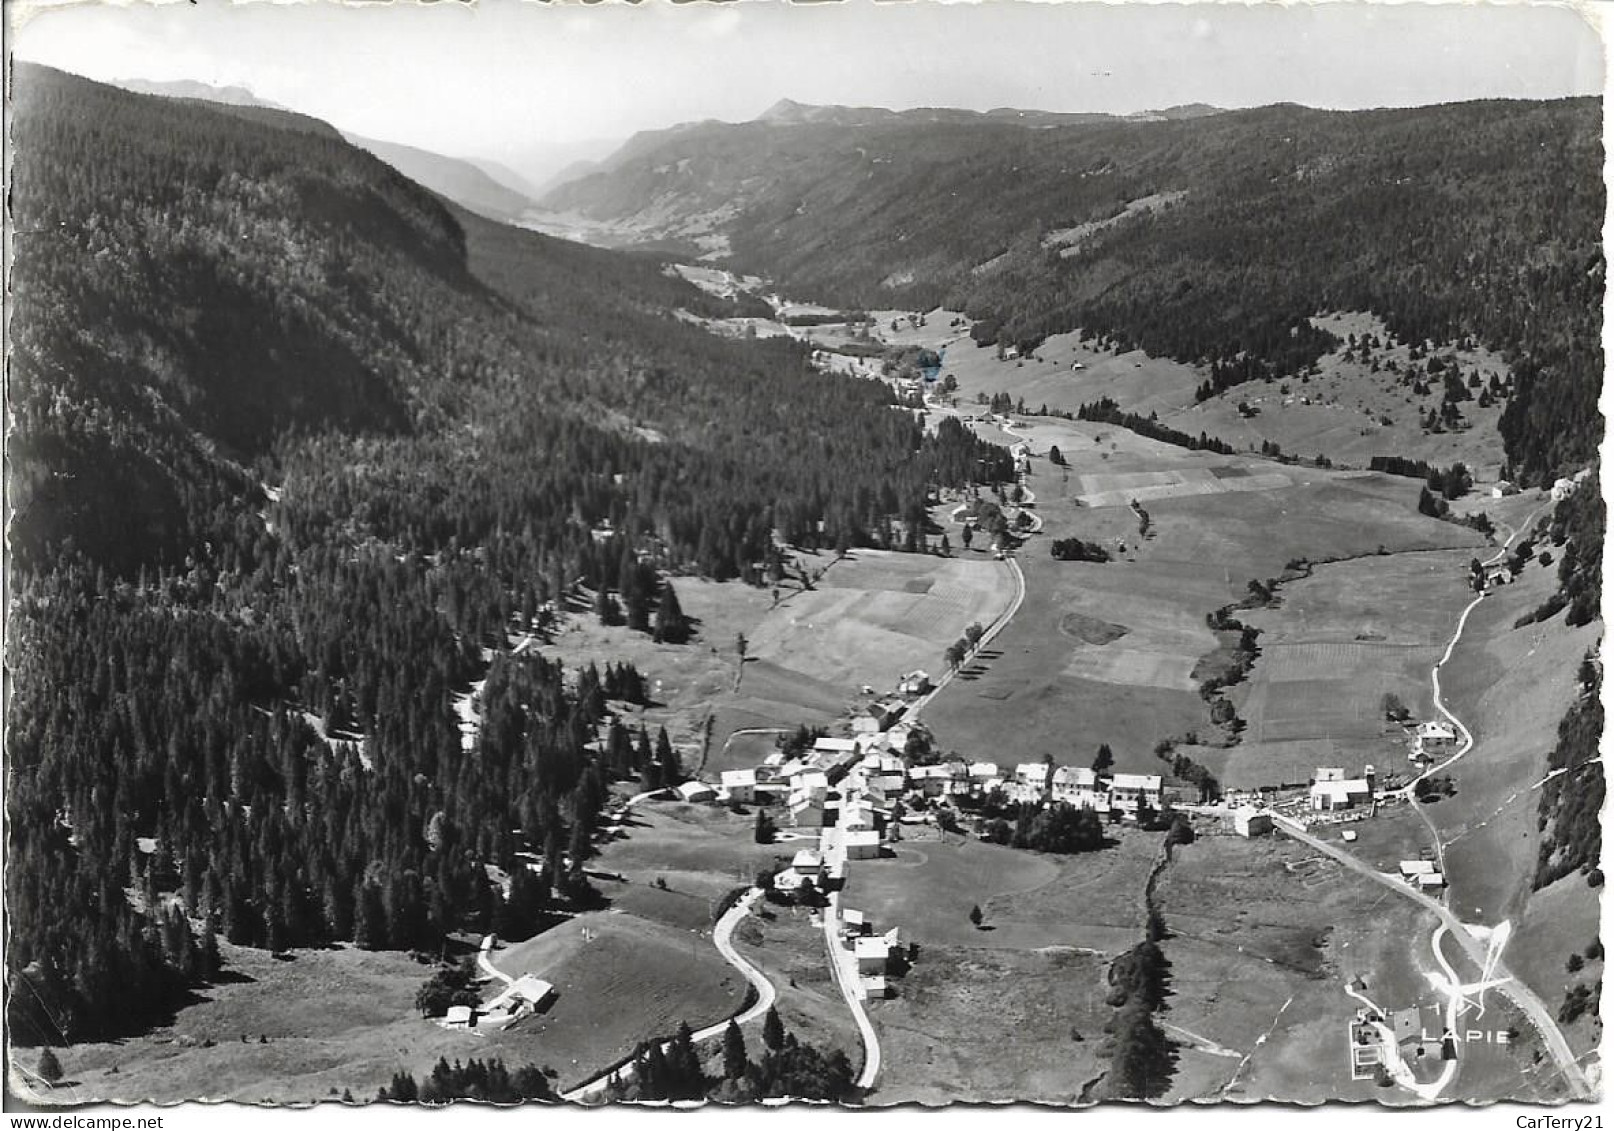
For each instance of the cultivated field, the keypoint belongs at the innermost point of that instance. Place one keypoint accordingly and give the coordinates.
(1336, 644)
(1049, 684)
(869, 618)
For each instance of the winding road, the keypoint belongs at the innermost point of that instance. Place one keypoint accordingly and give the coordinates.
(846, 979)
(1476, 948)
(723, 939)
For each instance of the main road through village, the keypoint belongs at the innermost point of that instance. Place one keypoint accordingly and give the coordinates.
(1477, 948)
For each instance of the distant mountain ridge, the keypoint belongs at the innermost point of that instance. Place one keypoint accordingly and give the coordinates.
(787, 112)
(465, 182)
(1208, 237)
(205, 92)
(485, 187)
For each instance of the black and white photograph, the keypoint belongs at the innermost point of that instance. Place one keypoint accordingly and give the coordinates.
(884, 555)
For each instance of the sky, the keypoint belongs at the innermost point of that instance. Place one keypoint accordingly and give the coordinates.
(528, 83)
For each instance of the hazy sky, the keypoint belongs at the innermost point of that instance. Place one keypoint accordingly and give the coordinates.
(507, 77)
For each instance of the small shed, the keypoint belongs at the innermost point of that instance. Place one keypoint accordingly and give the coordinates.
(1251, 822)
(460, 1017)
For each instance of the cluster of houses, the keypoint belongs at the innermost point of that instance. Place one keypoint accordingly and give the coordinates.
(853, 783)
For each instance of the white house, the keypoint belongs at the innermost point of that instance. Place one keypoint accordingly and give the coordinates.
(813, 783)
(1129, 792)
(1562, 489)
(857, 816)
(460, 1017)
(696, 791)
(807, 811)
(872, 955)
(1503, 489)
(862, 844)
(1033, 775)
(1079, 786)
(526, 992)
(740, 785)
(983, 772)
(1346, 793)
(932, 780)
(1435, 736)
(1249, 821)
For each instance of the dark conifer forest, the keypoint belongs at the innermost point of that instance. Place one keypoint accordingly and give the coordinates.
(295, 446)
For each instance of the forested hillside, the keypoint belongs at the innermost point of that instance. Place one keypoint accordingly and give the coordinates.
(293, 444)
(1477, 220)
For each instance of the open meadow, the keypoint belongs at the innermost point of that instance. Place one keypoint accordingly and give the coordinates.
(1134, 380)
(1263, 938)
(971, 1025)
(1333, 647)
(1105, 653)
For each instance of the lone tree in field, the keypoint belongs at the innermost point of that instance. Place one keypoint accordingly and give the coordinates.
(739, 645)
(976, 916)
(773, 1030)
(969, 535)
(50, 1069)
(671, 626)
(765, 828)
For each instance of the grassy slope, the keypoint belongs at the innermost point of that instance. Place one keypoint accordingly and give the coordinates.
(1512, 685)
(1038, 693)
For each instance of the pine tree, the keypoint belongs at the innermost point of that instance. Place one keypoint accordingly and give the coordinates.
(50, 1069)
(671, 626)
(773, 1030)
(734, 1058)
